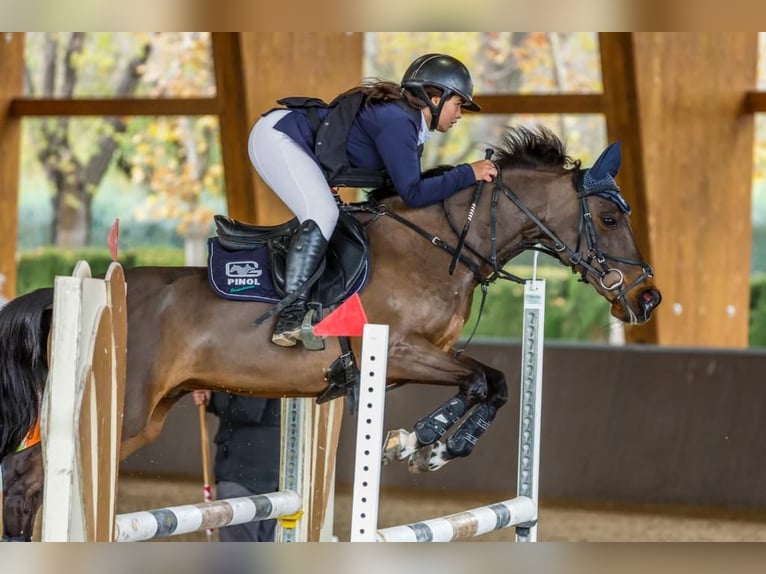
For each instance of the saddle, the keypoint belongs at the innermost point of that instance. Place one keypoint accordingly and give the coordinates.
(346, 260)
(248, 262)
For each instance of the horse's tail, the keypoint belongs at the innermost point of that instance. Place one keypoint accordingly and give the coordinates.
(24, 326)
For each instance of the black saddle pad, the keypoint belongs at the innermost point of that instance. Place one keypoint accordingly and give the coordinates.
(247, 262)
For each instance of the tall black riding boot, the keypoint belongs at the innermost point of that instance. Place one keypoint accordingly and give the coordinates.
(307, 249)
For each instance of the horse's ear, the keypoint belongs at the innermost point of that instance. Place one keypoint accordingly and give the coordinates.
(608, 163)
(599, 179)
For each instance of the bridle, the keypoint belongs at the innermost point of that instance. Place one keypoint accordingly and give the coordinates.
(587, 258)
(590, 260)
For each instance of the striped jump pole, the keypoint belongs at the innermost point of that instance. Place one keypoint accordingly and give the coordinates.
(466, 524)
(171, 521)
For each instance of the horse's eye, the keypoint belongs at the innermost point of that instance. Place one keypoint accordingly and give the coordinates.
(609, 221)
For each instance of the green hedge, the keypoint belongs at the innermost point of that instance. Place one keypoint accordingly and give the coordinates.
(39, 267)
(573, 312)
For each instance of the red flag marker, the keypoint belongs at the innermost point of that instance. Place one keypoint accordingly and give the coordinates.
(113, 239)
(348, 320)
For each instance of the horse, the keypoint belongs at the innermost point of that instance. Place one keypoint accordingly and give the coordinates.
(181, 336)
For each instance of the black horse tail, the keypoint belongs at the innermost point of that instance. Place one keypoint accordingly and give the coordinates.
(24, 326)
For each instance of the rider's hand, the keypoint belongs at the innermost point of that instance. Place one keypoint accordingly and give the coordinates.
(484, 170)
(201, 397)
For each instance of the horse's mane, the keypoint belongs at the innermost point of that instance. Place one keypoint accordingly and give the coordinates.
(522, 147)
(533, 148)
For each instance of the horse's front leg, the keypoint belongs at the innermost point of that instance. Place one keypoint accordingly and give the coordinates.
(418, 361)
(462, 441)
(401, 444)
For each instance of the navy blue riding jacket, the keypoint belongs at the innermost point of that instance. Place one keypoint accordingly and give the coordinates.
(385, 137)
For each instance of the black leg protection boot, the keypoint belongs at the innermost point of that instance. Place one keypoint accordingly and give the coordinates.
(307, 249)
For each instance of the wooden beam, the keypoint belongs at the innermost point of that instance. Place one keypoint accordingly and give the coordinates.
(234, 126)
(279, 64)
(621, 111)
(21, 107)
(12, 74)
(697, 146)
(755, 102)
(541, 104)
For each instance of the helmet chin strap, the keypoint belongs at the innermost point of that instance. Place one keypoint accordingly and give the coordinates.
(436, 111)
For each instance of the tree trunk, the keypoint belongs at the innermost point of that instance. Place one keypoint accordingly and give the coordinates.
(73, 213)
(502, 75)
(76, 181)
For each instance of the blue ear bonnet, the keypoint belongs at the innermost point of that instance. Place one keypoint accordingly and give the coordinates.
(599, 179)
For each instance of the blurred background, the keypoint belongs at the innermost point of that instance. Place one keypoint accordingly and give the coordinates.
(151, 128)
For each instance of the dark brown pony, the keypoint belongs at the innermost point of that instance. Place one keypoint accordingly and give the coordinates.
(181, 336)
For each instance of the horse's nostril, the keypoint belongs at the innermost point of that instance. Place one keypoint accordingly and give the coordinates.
(650, 298)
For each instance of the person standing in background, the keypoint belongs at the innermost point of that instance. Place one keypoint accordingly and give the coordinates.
(246, 455)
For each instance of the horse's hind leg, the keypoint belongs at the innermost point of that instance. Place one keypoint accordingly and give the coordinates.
(462, 441)
(148, 428)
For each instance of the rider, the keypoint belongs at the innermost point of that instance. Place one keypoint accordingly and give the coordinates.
(388, 134)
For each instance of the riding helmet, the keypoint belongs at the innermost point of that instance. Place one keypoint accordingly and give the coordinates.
(440, 71)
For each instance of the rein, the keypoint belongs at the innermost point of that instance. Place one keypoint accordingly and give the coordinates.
(382, 210)
(588, 261)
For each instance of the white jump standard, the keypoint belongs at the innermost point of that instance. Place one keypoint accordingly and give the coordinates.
(82, 406)
(531, 400)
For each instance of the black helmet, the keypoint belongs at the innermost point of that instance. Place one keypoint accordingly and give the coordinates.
(440, 71)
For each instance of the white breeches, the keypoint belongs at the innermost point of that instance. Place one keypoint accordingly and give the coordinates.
(292, 174)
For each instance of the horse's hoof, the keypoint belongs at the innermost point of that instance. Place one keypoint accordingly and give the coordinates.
(420, 461)
(429, 458)
(399, 445)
